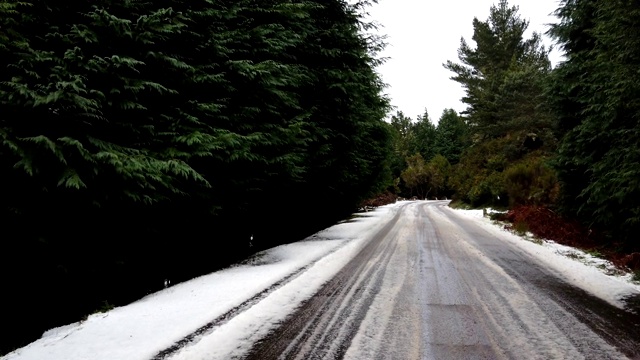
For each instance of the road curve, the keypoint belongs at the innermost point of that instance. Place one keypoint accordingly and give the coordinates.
(432, 285)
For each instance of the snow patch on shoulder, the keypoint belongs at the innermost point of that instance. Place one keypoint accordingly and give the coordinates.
(156, 322)
(472, 213)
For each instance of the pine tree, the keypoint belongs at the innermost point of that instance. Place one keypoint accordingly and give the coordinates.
(500, 73)
(424, 137)
(505, 78)
(452, 136)
(596, 98)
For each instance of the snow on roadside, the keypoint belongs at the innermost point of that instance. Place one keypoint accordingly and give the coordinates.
(235, 338)
(595, 275)
(156, 322)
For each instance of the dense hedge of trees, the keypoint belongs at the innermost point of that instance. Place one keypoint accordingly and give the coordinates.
(596, 94)
(144, 141)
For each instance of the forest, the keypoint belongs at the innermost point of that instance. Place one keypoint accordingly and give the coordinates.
(150, 141)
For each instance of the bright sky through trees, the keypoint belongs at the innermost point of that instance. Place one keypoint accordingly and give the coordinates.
(422, 35)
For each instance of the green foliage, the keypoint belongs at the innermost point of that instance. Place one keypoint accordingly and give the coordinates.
(416, 176)
(503, 75)
(439, 169)
(595, 253)
(426, 179)
(156, 100)
(413, 137)
(531, 182)
(403, 138)
(595, 95)
(424, 136)
(452, 136)
(402, 125)
(507, 119)
(521, 228)
(478, 177)
(106, 307)
(438, 147)
(410, 138)
(502, 171)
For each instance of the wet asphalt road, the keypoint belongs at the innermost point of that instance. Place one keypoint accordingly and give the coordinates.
(433, 285)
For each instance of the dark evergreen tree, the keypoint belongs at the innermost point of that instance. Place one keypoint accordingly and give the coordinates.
(347, 144)
(144, 140)
(502, 75)
(411, 138)
(596, 97)
(452, 136)
(504, 78)
(402, 136)
(424, 138)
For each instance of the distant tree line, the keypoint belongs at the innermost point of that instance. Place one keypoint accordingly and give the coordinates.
(424, 153)
(144, 141)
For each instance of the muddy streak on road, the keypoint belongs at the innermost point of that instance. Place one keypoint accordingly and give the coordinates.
(431, 285)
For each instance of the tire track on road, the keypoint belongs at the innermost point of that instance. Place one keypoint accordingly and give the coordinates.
(319, 328)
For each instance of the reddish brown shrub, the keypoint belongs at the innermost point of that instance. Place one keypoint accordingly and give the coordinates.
(547, 224)
(382, 199)
(632, 261)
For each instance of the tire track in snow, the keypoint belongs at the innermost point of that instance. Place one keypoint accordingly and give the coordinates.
(325, 325)
(226, 317)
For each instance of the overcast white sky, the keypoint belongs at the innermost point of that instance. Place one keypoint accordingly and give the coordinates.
(422, 35)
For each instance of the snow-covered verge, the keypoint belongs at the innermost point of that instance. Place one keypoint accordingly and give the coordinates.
(585, 270)
(259, 293)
